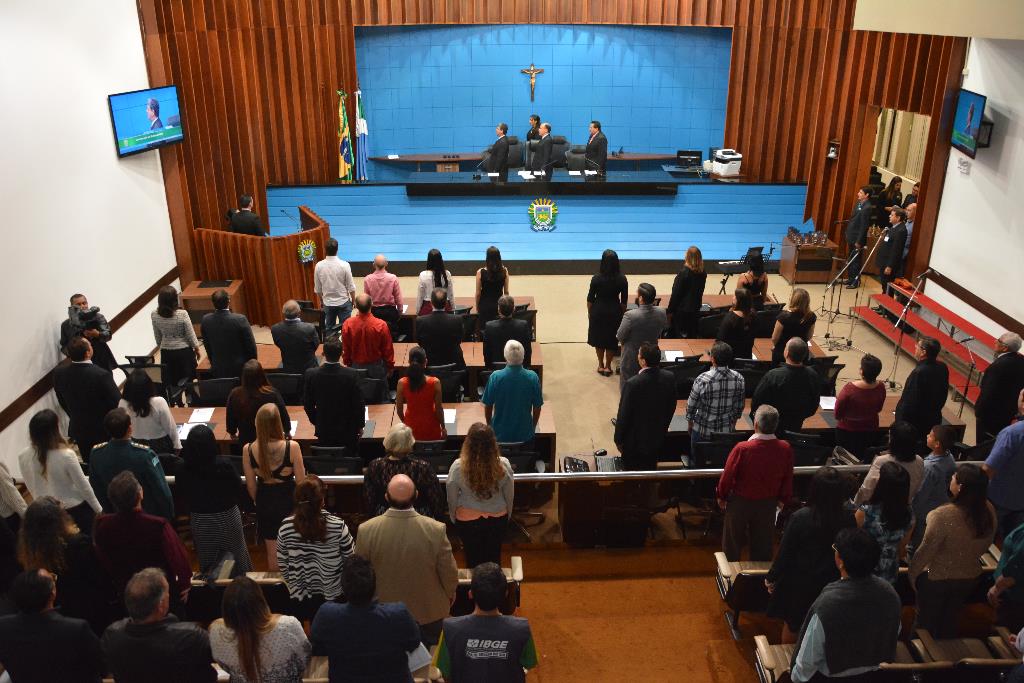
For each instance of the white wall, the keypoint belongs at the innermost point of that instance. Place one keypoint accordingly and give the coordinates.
(75, 217)
(988, 18)
(979, 238)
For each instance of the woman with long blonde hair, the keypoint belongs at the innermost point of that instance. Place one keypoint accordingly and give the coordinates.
(796, 321)
(480, 495)
(271, 465)
(687, 294)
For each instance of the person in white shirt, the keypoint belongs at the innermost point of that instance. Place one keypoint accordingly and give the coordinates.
(435, 276)
(333, 283)
(50, 468)
(12, 504)
(152, 421)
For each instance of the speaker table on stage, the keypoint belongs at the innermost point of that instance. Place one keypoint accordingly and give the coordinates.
(806, 263)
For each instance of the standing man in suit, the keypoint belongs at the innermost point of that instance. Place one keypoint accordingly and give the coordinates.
(924, 393)
(1000, 386)
(97, 331)
(245, 221)
(857, 234)
(542, 155)
(297, 340)
(911, 210)
(227, 337)
(87, 393)
(889, 255)
(646, 407)
(497, 162)
(153, 114)
(333, 402)
(440, 333)
(645, 323)
(498, 332)
(597, 149)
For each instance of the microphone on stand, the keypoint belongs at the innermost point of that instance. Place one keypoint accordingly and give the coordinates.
(925, 273)
(292, 218)
(964, 340)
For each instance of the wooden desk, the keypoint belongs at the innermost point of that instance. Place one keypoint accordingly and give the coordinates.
(382, 416)
(801, 263)
(466, 414)
(444, 162)
(473, 354)
(691, 347)
(196, 298)
(413, 308)
(268, 355)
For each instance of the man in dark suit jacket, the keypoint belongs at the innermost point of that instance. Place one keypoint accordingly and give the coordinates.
(889, 255)
(597, 149)
(97, 332)
(1000, 386)
(245, 221)
(87, 393)
(333, 401)
(498, 332)
(646, 407)
(297, 340)
(925, 391)
(227, 337)
(857, 234)
(39, 644)
(440, 333)
(497, 161)
(542, 154)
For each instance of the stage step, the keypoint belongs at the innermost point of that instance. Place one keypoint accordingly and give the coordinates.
(950, 317)
(926, 328)
(885, 327)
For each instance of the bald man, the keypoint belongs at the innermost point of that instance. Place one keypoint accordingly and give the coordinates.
(366, 344)
(384, 292)
(412, 557)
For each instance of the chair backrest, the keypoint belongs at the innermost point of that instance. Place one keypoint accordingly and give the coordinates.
(962, 451)
(727, 437)
(530, 316)
(213, 393)
(437, 370)
(515, 152)
(685, 372)
(810, 455)
(751, 378)
(575, 161)
(440, 460)
(329, 451)
(452, 383)
(523, 462)
(153, 370)
(141, 361)
(764, 322)
(332, 465)
(795, 438)
(751, 364)
(559, 146)
(374, 390)
(424, 447)
(830, 379)
(710, 454)
(470, 332)
(531, 151)
(508, 448)
(290, 386)
(707, 326)
(461, 310)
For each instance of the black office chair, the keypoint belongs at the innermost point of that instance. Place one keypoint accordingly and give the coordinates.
(374, 390)
(441, 461)
(751, 364)
(481, 382)
(530, 316)
(727, 437)
(515, 152)
(330, 465)
(452, 384)
(531, 151)
(559, 146)
(751, 378)
(289, 385)
(710, 454)
(423, 448)
(685, 372)
(213, 393)
(155, 371)
(575, 158)
(764, 323)
(708, 325)
(831, 376)
(470, 322)
(773, 307)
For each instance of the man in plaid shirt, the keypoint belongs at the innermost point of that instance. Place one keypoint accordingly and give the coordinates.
(716, 400)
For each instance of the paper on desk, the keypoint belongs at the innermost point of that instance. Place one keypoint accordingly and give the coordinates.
(295, 427)
(449, 416)
(492, 175)
(201, 415)
(589, 172)
(392, 156)
(525, 174)
(575, 172)
(827, 402)
(184, 429)
(672, 356)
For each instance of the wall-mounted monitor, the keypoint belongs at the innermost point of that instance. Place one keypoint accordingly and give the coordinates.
(970, 108)
(145, 119)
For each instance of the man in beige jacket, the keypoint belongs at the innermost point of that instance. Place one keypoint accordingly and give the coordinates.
(412, 557)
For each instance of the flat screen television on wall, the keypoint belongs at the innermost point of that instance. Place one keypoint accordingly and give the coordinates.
(970, 108)
(145, 119)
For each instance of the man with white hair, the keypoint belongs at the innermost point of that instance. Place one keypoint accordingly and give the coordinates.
(1000, 385)
(512, 399)
(297, 340)
(383, 288)
(758, 476)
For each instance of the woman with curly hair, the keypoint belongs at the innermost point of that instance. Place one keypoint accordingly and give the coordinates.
(480, 496)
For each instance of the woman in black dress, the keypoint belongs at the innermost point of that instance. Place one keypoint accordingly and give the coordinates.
(491, 283)
(755, 281)
(796, 321)
(606, 302)
(687, 294)
(806, 562)
(737, 329)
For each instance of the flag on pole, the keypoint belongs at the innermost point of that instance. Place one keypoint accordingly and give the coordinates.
(361, 134)
(344, 142)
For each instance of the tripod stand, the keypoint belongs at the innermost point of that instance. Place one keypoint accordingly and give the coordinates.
(891, 380)
(970, 373)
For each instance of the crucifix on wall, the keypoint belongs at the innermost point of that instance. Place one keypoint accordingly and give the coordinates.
(532, 73)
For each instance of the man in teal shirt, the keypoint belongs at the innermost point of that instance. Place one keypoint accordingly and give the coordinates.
(119, 454)
(512, 399)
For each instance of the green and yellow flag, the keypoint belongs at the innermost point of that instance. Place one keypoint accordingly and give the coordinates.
(344, 142)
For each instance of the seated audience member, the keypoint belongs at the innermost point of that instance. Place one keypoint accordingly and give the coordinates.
(365, 641)
(151, 645)
(152, 422)
(210, 484)
(385, 291)
(755, 281)
(12, 503)
(39, 644)
(433, 278)
(311, 546)
(1000, 385)
(96, 332)
(131, 540)
(440, 333)
(486, 645)
(497, 333)
(418, 399)
(717, 397)
(297, 340)
(175, 336)
(687, 294)
(796, 321)
(938, 470)
(398, 459)
(333, 402)
(737, 328)
(86, 392)
(122, 454)
(646, 406)
(512, 398)
(245, 400)
(414, 560)
(271, 464)
(227, 337)
(902, 442)
(244, 220)
(366, 341)
(945, 568)
(857, 407)
(887, 516)
(1007, 595)
(49, 540)
(253, 645)
(1005, 469)
(758, 477)
(854, 624)
(924, 393)
(792, 388)
(806, 562)
(645, 323)
(480, 496)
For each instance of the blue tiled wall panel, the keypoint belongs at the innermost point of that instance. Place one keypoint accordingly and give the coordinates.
(722, 219)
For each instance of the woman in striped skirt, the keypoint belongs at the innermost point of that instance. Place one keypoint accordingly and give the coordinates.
(211, 486)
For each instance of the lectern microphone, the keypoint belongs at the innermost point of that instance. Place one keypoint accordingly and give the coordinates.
(291, 218)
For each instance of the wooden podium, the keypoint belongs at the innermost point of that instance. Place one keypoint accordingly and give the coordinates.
(806, 263)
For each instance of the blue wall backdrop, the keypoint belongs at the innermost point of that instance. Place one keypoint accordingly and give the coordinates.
(723, 219)
(443, 88)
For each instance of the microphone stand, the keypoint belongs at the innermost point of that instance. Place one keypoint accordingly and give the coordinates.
(891, 381)
(970, 373)
(833, 314)
(856, 301)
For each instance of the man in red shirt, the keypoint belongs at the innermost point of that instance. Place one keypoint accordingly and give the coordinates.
(366, 341)
(758, 476)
